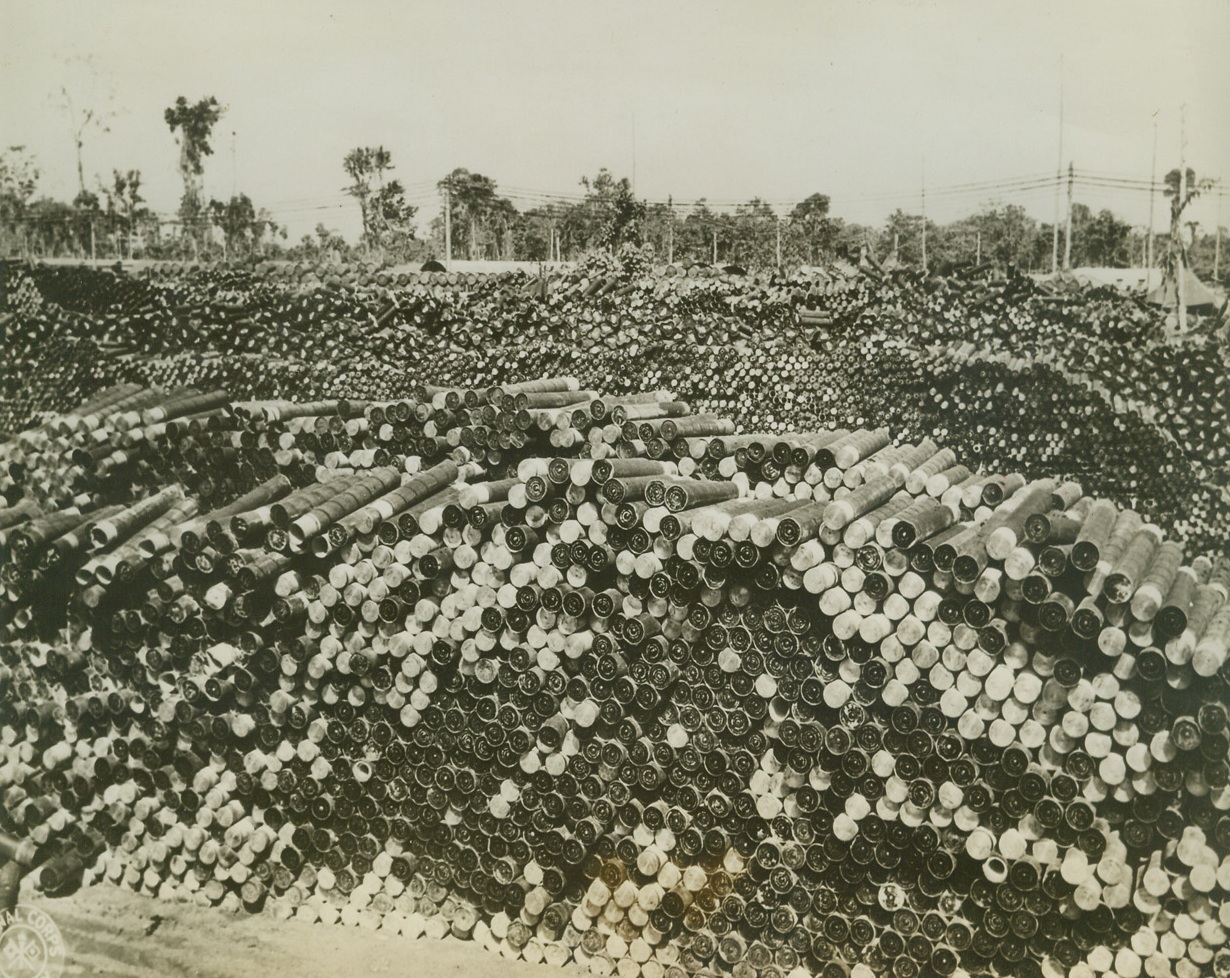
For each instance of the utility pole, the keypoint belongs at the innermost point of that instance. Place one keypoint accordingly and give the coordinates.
(634, 149)
(715, 245)
(1058, 178)
(1217, 240)
(924, 217)
(1180, 285)
(448, 223)
(234, 168)
(779, 244)
(1067, 235)
(670, 230)
(1152, 196)
(978, 249)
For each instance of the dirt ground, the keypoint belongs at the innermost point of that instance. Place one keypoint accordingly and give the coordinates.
(106, 932)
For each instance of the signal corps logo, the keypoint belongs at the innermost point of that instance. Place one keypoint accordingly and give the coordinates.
(30, 944)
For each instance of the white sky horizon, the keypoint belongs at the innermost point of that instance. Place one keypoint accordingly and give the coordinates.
(721, 100)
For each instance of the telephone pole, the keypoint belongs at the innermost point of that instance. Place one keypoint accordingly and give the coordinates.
(634, 149)
(448, 224)
(1217, 240)
(1180, 285)
(1152, 196)
(1067, 235)
(1058, 177)
(924, 215)
(779, 244)
(670, 230)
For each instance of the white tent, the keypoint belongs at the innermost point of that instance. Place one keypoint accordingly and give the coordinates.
(1195, 293)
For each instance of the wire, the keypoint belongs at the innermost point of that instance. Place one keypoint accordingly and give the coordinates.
(1011, 186)
(422, 194)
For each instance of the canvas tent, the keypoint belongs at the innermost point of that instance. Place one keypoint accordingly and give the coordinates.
(1132, 279)
(1196, 294)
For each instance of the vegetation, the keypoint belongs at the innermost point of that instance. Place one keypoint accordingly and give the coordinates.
(606, 216)
(388, 220)
(194, 124)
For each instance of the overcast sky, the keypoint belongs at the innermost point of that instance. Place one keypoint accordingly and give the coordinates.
(724, 100)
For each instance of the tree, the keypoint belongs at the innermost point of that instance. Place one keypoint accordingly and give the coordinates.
(51, 228)
(531, 234)
(195, 124)
(18, 180)
(327, 244)
(626, 220)
(577, 226)
(87, 212)
(753, 232)
(42, 227)
(242, 226)
(364, 165)
(388, 219)
(902, 238)
(658, 228)
(390, 212)
(124, 203)
(849, 240)
(694, 234)
(811, 227)
(1182, 189)
(1204, 256)
(612, 216)
(85, 116)
(18, 176)
(1102, 239)
(481, 220)
(502, 221)
(1002, 235)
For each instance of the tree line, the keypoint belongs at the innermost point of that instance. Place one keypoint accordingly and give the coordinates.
(114, 221)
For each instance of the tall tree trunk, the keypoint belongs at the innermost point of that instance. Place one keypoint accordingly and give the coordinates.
(191, 206)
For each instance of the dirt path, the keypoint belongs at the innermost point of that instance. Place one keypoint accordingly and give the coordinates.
(105, 931)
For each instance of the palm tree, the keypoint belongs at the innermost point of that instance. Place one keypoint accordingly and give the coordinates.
(195, 124)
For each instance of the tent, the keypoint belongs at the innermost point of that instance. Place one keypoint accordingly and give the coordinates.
(1119, 278)
(1196, 294)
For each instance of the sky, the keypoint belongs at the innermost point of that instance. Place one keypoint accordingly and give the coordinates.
(864, 101)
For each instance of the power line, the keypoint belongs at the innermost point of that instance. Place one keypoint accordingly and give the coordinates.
(1011, 186)
(1027, 188)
